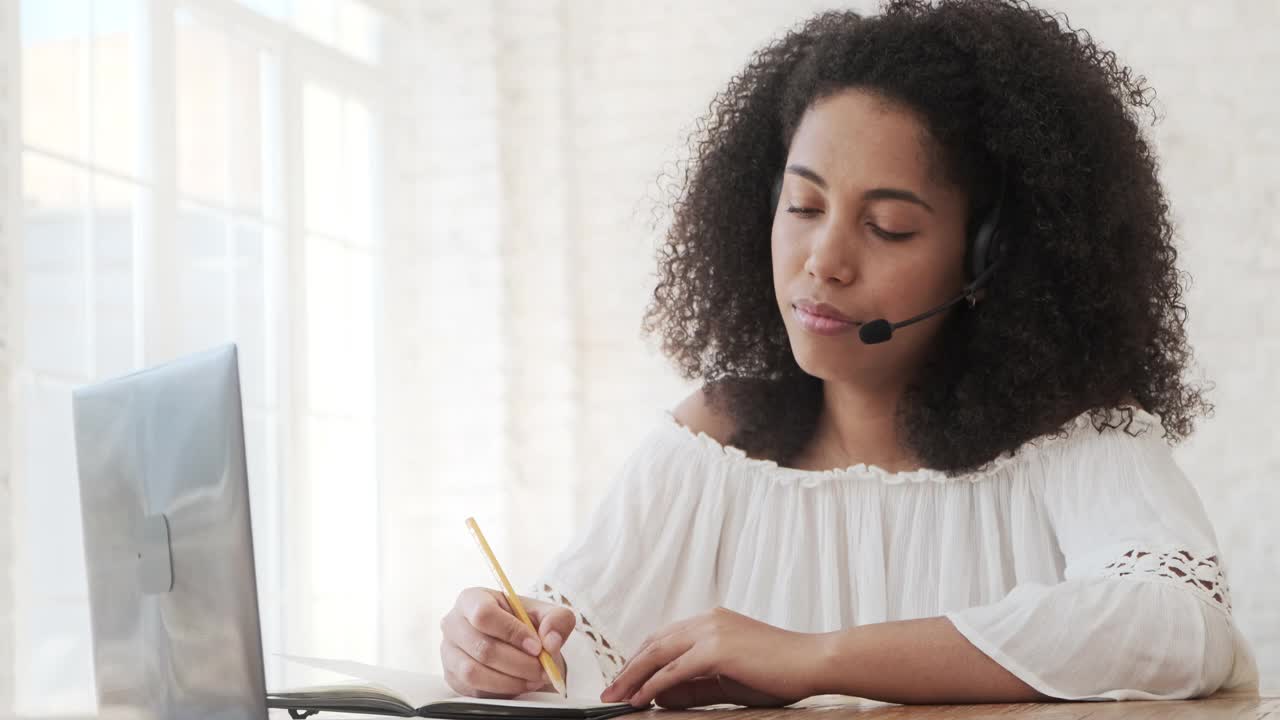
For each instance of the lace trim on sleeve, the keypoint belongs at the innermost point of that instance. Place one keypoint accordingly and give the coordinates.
(609, 660)
(1204, 574)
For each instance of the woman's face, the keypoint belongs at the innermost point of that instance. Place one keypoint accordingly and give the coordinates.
(867, 226)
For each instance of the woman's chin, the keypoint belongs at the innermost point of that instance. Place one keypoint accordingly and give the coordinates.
(825, 365)
(845, 363)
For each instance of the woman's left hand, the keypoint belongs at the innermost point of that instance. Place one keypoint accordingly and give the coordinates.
(720, 657)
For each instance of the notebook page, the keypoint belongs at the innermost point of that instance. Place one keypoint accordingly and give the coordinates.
(539, 700)
(420, 689)
(416, 689)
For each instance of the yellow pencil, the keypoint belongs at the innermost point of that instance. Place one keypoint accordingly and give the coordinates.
(548, 664)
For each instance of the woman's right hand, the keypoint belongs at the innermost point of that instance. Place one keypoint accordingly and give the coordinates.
(486, 650)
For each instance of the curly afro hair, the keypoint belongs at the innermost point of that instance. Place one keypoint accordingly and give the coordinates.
(1085, 312)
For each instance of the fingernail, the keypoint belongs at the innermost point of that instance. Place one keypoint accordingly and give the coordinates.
(531, 646)
(553, 641)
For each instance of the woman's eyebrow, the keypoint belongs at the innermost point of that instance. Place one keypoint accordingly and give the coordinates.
(872, 194)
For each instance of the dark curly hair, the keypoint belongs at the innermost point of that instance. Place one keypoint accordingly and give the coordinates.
(1085, 312)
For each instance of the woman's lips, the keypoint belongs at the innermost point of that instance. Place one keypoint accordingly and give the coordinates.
(822, 309)
(821, 324)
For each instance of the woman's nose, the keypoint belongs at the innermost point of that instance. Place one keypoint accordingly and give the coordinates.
(832, 257)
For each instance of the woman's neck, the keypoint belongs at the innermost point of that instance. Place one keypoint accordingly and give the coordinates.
(856, 425)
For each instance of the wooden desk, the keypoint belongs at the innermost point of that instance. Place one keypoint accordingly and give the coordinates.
(1223, 706)
(1236, 706)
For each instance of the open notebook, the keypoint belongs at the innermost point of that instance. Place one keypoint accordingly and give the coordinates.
(387, 691)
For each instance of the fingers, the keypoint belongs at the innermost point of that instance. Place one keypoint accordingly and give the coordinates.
(650, 660)
(674, 672)
(482, 609)
(672, 629)
(487, 651)
(677, 628)
(490, 651)
(694, 693)
(554, 622)
(469, 677)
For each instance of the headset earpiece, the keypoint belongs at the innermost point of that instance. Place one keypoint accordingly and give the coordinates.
(988, 245)
(982, 252)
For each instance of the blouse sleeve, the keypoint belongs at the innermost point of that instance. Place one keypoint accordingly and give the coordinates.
(616, 574)
(1143, 612)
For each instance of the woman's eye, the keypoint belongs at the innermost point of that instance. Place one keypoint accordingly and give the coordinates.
(890, 235)
(885, 234)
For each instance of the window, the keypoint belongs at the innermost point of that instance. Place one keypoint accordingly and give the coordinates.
(196, 172)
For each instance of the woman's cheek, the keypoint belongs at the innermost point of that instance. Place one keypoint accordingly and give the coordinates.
(788, 258)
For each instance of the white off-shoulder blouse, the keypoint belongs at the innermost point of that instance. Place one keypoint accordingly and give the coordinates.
(1083, 563)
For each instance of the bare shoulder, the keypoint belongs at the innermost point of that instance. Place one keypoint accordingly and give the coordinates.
(698, 413)
(1132, 402)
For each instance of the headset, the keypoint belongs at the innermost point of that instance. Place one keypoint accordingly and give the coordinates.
(985, 252)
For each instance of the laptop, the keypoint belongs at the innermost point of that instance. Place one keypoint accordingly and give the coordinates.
(165, 506)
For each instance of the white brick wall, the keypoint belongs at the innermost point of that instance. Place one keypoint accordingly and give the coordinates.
(444, 455)
(594, 99)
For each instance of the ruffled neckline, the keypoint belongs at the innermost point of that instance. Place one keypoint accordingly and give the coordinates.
(1142, 421)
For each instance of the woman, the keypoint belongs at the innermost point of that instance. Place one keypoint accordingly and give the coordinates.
(978, 505)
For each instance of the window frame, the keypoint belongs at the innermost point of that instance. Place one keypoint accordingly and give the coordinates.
(156, 264)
